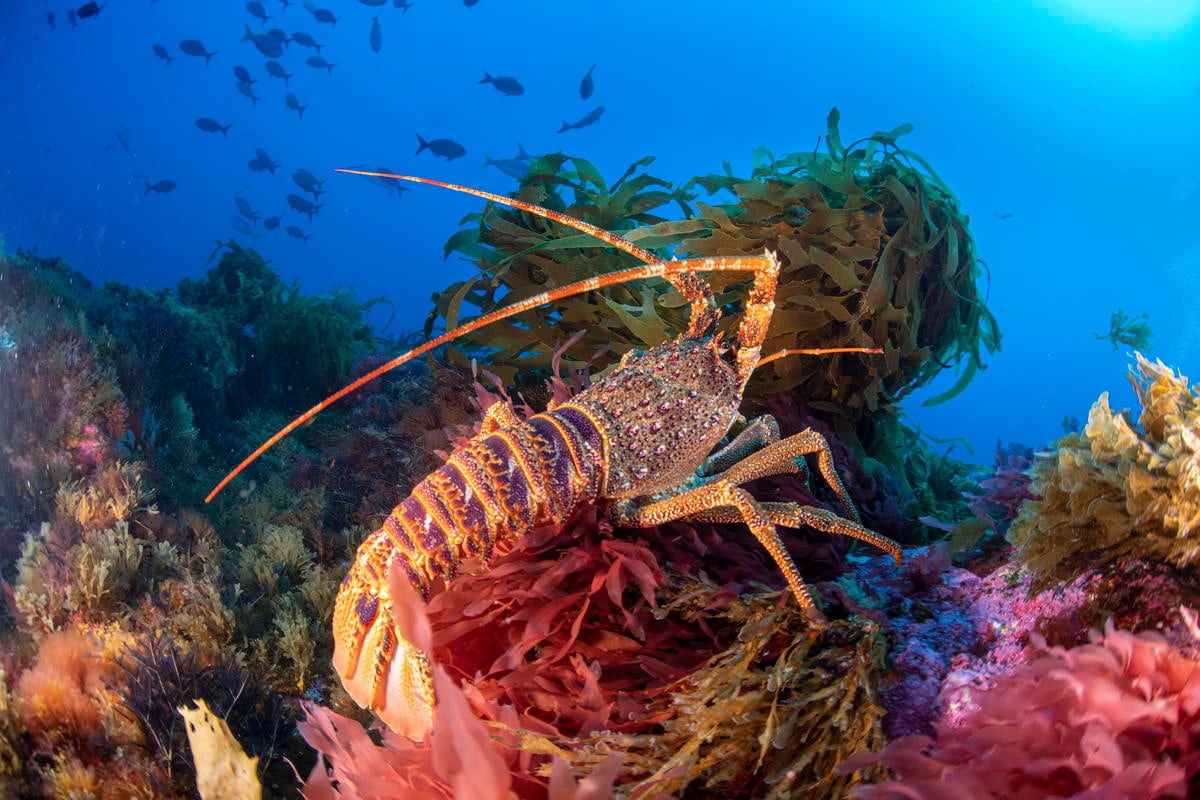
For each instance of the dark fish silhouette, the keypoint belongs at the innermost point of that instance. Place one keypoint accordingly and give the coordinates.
(123, 137)
(261, 161)
(504, 84)
(587, 119)
(279, 36)
(444, 148)
(322, 14)
(304, 40)
(50, 19)
(309, 183)
(294, 104)
(271, 223)
(512, 167)
(317, 62)
(586, 87)
(469, 3)
(243, 206)
(287, 4)
(243, 75)
(303, 206)
(268, 45)
(162, 187)
(245, 90)
(373, 3)
(257, 11)
(296, 233)
(162, 53)
(89, 10)
(402, 4)
(193, 47)
(71, 17)
(376, 38)
(212, 126)
(275, 69)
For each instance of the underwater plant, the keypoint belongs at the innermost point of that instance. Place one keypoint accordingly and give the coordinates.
(1118, 491)
(1115, 718)
(1131, 331)
(874, 251)
(567, 657)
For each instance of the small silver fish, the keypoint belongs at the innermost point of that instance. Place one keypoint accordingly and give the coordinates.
(244, 88)
(212, 126)
(304, 40)
(241, 226)
(444, 148)
(296, 233)
(276, 70)
(309, 183)
(376, 38)
(586, 120)
(266, 44)
(193, 47)
(302, 205)
(316, 62)
(586, 87)
(294, 104)
(257, 11)
(512, 167)
(243, 206)
(504, 84)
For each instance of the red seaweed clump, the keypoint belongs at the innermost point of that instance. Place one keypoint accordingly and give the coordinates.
(581, 645)
(1117, 717)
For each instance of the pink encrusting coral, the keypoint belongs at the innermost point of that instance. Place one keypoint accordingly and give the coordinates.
(1118, 717)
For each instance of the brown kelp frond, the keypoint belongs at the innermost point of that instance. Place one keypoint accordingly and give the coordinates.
(875, 252)
(1117, 490)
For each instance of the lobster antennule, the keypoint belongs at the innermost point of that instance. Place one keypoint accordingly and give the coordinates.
(609, 238)
(660, 269)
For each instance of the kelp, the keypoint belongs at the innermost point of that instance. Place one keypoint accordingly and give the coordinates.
(874, 249)
(1118, 491)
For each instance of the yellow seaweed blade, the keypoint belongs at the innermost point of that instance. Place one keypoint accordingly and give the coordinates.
(223, 770)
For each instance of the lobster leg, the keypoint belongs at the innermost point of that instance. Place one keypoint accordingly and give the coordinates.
(721, 494)
(794, 515)
(787, 456)
(752, 437)
(720, 499)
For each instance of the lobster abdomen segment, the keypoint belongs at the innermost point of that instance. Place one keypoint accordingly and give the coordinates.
(491, 491)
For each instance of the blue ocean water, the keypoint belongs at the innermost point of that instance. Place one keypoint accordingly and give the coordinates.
(1067, 128)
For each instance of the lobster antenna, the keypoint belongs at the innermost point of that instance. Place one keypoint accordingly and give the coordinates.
(659, 269)
(609, 238)
(816, 351)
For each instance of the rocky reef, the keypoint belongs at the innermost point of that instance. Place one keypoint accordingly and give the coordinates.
(1039, 639)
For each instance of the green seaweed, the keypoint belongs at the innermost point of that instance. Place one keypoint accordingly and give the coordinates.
(874, 251)
(1130, 331)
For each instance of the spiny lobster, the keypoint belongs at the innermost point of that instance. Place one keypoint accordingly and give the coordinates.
(641, 438)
